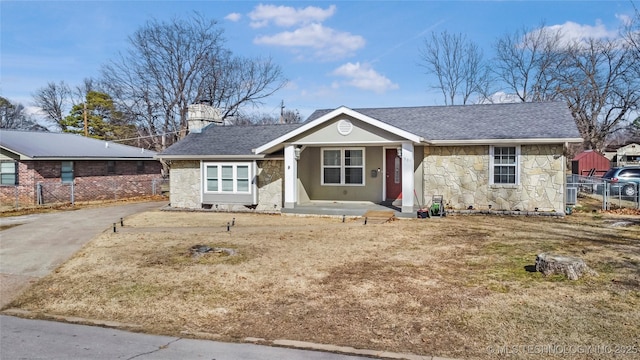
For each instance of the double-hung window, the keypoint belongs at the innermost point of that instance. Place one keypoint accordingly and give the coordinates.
(227, 178)
(8, 173)
(343, 166)
(504, 165)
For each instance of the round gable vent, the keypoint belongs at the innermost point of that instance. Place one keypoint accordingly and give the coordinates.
(345, 127)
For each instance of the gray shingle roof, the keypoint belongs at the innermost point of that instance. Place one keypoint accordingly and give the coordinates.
(49, 145)
(478, 122)
(467, 122)
(228, 140)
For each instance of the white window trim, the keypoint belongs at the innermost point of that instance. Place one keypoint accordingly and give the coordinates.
(234, 178)
(342, 166)
(492, 166)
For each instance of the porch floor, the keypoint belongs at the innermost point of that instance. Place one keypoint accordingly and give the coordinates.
(348, 208)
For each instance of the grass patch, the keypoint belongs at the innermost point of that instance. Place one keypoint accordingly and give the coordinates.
(446, 287)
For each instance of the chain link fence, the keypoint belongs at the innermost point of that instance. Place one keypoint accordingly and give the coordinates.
(58, 193)
(611, 194)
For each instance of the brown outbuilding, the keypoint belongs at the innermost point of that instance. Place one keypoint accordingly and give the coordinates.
(590, 163)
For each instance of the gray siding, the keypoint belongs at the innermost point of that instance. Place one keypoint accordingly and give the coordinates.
(309, 173)
(362, 133)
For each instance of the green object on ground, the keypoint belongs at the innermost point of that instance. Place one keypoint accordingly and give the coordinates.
(435, 209)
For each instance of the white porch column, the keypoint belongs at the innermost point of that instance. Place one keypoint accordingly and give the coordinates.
(290, 177)
(407, 177)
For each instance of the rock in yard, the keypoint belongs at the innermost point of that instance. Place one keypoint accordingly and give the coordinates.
(571, 267)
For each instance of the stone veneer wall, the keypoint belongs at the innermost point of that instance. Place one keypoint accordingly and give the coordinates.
(461, 175)
(270, 185)
(185, 184)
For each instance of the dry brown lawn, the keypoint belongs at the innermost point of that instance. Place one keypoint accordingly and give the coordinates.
(442, 287)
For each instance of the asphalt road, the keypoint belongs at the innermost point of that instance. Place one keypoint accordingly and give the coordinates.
(41, 242)
(37, 339)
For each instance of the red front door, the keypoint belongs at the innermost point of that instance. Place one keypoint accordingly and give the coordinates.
(393, 175)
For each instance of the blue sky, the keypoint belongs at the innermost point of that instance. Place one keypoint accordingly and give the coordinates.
(352, 53)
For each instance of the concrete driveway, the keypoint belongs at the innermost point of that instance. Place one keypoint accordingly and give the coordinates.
(41, 242)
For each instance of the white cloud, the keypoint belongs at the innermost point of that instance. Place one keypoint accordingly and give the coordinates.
(363, 76)
(500, 97)
(327, 43)
(572, 32)
(233, 17)
(625, 19)
(286, 16)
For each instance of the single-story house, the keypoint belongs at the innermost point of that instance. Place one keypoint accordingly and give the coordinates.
(499, 156)
(624, 155)
(47, 167)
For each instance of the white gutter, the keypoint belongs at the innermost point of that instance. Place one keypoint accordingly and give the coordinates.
(75, 158)
(505, 141)
(210, 157)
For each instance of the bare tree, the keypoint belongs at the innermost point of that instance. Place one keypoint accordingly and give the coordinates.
(525, 62)
(234, 82)
(160, 74)
(458, 65)
(599, 79)
(286, 117)
(136, 101)
(13, 116)
(170, 65)
(631, 33)
(81, 91)
(54, 100)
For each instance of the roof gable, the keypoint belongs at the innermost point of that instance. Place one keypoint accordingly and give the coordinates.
(330, 116)
(32, 145)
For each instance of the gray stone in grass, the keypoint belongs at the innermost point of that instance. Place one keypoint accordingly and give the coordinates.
(198, 250)
(571, 267)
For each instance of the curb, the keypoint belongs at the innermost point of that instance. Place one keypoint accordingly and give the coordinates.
(69, 319)
(347, 350)
(303, 345)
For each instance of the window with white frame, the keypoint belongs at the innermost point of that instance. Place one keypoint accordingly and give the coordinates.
(8, 173)
(227, 178)
(504, 165)
(343, 166)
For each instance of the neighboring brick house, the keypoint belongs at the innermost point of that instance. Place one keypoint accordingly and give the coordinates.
(45, 167)
(499, 156)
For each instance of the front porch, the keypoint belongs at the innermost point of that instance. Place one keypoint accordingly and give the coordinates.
(370, 176)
